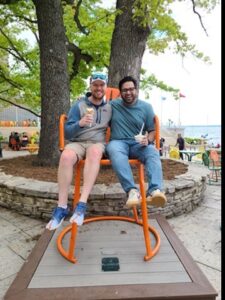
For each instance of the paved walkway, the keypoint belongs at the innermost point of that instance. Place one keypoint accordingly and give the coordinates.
(199, 231)
(11, 154)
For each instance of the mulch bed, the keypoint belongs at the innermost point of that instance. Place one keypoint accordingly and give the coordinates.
(25, 166)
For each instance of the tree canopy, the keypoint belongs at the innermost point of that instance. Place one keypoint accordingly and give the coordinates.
(89, 29)
(70, 39)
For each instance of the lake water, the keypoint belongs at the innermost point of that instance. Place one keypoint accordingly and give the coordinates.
(211, 132)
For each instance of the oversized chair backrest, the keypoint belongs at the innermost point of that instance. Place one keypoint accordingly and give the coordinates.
(69, 254)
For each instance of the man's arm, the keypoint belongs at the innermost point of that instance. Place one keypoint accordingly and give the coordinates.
(72, 125)
(151, 136)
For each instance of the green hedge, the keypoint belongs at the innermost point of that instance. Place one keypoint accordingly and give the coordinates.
(193, 141)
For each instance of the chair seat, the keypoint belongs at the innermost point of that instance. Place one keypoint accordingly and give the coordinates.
(106, 161)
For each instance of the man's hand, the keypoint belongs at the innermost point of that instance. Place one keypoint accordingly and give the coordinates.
(144, 140)
(86, 120)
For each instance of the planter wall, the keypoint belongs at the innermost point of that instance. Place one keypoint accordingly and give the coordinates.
(37, 198)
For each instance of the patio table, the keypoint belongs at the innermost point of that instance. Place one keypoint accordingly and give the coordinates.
(190, 153)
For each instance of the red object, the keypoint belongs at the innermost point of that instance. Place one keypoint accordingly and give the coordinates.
(182, 95)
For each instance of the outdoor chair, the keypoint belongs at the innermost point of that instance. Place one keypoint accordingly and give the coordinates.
(205, 159)
(214, 165)
(69, 254)
(198, 157)
(174, 152)
(14, 144)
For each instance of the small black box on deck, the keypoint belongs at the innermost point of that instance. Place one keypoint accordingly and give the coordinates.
(110, 264)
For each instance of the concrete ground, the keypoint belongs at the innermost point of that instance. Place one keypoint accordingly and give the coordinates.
(200, 231)
(6, 154)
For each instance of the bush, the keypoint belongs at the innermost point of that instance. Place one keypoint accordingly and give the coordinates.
(192, 141)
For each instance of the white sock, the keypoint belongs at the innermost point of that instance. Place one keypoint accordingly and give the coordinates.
(63, 206)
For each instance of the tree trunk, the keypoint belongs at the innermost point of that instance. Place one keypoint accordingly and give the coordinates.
(53, 76)
(127, 46)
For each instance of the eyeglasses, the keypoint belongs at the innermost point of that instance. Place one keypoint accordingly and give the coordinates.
(101, 76)
(128, 90)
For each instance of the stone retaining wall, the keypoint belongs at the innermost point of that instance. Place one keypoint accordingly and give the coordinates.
(37, 198)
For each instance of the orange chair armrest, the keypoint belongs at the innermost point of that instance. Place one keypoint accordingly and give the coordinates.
(62, 121)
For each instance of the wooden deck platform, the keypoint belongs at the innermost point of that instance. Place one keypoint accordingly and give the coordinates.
(171, 274)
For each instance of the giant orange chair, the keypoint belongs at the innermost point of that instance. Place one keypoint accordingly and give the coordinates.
(69, 253)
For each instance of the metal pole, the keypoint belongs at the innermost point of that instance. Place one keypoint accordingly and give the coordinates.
(179, 123)
(161, 111)
(16, 116)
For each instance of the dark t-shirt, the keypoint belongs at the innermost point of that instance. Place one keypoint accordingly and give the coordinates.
(180, 142)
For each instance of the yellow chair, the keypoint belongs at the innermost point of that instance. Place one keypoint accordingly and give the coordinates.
(174, 153)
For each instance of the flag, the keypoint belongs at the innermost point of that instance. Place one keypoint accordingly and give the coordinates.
(181, 95)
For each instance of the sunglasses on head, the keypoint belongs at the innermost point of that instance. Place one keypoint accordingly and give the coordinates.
(99, 76)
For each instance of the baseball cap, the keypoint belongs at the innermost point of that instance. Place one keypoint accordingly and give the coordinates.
(98, 76)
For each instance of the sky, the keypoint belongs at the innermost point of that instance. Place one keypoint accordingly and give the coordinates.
(199, 82)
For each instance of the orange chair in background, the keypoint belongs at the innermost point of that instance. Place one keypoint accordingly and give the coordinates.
(69, 254)
(214, 166)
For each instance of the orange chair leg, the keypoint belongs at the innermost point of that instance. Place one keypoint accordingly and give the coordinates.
(150, 251)
(135, 214)
(72, 244)
(144, 214)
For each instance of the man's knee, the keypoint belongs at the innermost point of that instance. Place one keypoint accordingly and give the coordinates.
(151, 153)
(95, 152)
(68, 157)
(116, 148)
(109, 149)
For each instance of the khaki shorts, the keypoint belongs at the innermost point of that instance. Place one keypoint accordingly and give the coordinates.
(81, 147)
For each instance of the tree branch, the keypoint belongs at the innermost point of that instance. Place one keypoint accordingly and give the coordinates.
(27, 19)
(10, 81)
(101, 18)
(83, 29)
(78, 56)
(29, 22)
(18, 56)
(8, 1)
(10, 52)
(33, 31)
(21, 17)
(4, 91)
(17, 105)
(199, 16)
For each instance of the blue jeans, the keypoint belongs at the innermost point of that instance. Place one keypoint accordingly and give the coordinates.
(119, 151)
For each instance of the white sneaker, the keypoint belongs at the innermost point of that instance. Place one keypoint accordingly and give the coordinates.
(157, 198)
(134, 198)
(78, 214)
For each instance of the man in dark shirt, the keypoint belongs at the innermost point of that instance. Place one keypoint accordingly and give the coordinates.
(181, 144)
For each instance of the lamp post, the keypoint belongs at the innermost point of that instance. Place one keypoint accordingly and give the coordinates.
(1, 146)
(163, 98)
(180, 96)
(179, 123)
